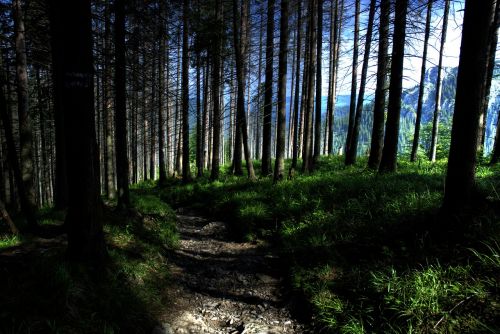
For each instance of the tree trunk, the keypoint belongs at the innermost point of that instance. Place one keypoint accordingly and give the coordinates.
(483, 124)
(439, 86)
(295, 148)
(109, 167)
(416, 135)
(319, 53)
(472, 72)
(332, 85)
(5, 115)
(204, 142)
(25, 130)
(161, 80)
(380, 91)
(354, 81)
(268, 93)
(241, 47)
(186, 171)
(199, 151)
(73, 38)
(352, 153)
(152, 117)
(214, 175)
(238, 22)
(42, 170)
(495, 155)
(279, 166)
(390, 151)
(308, 164)
(259, 113)
(292, 96)
(120, 108)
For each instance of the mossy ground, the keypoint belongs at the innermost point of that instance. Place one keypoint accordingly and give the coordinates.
(370, 252)
(41, 292)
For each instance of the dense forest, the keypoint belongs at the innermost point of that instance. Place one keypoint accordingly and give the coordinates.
(249, 166)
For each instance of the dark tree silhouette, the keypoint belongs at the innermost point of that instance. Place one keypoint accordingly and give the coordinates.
(439, 85)
(241, 48)
(120, 108)
(186, 171)
(25, 129)
(390, 150)
(317, 115)
(352, 153)
(282, 74)
(5, 116)
(295, 140)
(268, 94)
(354, 80)
(472, 73)
(72, 39)
(307, 142)
(377, 141)
(416, 135)
(215, 55)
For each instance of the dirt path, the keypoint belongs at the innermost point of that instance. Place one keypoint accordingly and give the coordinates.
(220, 286)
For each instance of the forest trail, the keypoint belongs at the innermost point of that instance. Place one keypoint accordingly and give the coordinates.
(221, 286)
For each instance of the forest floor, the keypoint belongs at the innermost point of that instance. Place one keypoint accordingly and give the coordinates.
(222, 286)
(352, 250)
(363, 252)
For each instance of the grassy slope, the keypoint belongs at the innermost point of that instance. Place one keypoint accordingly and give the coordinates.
(41, 292)
(370, 252)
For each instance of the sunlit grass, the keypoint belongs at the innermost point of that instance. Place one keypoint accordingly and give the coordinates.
(366, 249)
(7, 241)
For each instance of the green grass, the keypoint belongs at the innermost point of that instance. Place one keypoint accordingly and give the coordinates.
(42, 292)
(370, 252)
(8, 240)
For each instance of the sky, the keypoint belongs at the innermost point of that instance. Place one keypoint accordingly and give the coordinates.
(413, 50)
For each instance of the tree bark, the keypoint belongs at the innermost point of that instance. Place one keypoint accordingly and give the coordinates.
(25, 129)
(472, 72)
(390, 150)
(109, 167)
(199, 151)
(161, 83)
(421, 90)
(73, 38)
(352, 153)
(268, 93)
(279, 166)
(241, 47)
(439, 86)
(354, 81)
(5, 115)
(214, 175)
(308, 164)
(186, 170)
(5, 216)
(332, 86)
(487, 86)
(380, 91)
(295, 148)
(319, 53)
(121, 108)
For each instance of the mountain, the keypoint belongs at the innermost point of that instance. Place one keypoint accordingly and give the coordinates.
(410, 100)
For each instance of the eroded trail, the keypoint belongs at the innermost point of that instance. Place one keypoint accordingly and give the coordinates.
(220, 286)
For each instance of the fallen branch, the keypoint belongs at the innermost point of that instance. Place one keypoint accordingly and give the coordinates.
(450, 311)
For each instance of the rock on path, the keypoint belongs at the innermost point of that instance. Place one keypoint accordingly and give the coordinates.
(220, 286)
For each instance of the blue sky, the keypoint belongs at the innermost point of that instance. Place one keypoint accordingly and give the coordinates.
(414, 47)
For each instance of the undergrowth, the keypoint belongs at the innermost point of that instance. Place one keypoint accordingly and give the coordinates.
(41, 292)
(371, 253)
